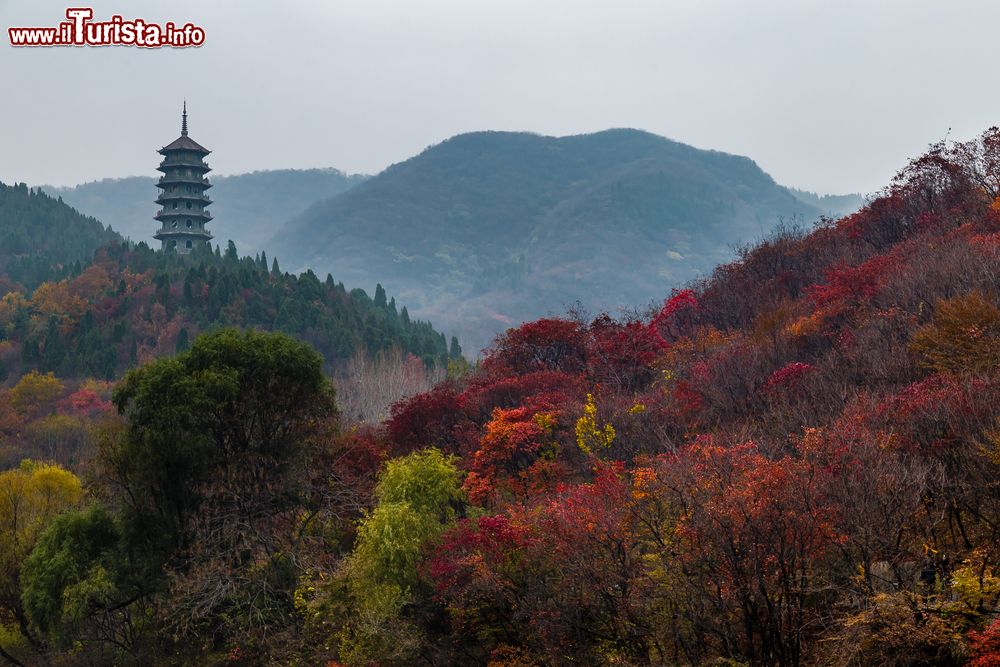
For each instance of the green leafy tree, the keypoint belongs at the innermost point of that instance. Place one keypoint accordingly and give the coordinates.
(217, 470)
(417, 498)
(80, 580)
(31, 497)
(234, 399)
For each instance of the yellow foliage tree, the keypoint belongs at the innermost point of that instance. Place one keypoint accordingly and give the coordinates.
(9, 305)
(56, 299)
(30, 497)
(35, 391)
(962, 337)
(592, 438)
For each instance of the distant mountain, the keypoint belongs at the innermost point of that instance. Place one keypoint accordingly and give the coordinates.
(248, 208)
(834, 206)
(41, 237)
(488, 229)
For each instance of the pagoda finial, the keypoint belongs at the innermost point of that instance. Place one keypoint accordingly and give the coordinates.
(184, 120)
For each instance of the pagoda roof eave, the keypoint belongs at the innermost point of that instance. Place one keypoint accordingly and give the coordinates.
(184, 143)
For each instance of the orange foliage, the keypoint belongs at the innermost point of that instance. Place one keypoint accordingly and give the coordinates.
(963, 336)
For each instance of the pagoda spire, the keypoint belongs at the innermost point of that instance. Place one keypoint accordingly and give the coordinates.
(184, 120)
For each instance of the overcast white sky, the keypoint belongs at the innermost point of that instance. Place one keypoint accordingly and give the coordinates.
(830, 96)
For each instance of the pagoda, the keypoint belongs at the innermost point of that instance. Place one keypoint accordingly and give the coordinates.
(183, 200)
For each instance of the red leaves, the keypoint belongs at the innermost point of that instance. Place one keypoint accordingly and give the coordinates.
(425, 420)
(940, 411)
(984, 647)
(87, 401)
(475, 548)
(514, 453)
(487, 391)
(667, 321)
(849, 286)
(543, 345)
(622, 355)
(686, 400)
(789, 376)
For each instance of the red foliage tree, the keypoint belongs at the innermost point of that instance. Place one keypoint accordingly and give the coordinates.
(668, 323)
(754, 529)
(429, 419)
(984, 647)
(622, 355)
(542, 345)
(519, 453)
(561, 578)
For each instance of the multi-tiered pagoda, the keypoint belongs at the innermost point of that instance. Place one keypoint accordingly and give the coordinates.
(183, 216)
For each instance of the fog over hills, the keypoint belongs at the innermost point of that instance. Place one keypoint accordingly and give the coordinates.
(247, 208)
(488, 229)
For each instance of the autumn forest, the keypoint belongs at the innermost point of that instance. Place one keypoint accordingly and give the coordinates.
(792, 461)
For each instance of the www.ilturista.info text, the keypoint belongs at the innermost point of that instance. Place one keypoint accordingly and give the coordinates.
(79, 30)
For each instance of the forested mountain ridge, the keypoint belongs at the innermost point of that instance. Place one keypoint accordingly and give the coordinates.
(247, 209)
(41, 237)
(134, 304)
(488, 229)
(81, 302)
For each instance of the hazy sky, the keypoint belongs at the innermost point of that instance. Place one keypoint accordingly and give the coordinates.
(831, 96)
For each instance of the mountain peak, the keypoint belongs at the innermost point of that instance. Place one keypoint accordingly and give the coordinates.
(487, 229)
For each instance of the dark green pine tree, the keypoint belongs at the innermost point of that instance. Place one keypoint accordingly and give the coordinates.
(380, 298)
(183, 343)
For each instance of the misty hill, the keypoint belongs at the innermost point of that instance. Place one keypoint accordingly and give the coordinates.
(833, 206)
(488, 229)
(41, 236)
(247, 208)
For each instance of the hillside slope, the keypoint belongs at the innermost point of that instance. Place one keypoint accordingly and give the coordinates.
(794, 462)
(41, 236)
(488, 229)
(80, 301)
(247, 208)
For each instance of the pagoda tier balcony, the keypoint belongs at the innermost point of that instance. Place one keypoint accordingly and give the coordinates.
(167, 196)
(182, 213)
(195, 234)
(181, 180)
(184, 164)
